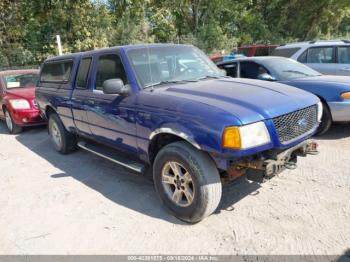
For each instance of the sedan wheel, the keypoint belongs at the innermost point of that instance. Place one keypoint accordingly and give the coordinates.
(8, 121)
(12, 127)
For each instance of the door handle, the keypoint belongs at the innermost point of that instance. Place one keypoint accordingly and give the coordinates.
(345, 69)
(90, 101)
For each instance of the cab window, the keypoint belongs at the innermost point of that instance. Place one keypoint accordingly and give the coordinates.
(109, 67)
(83, 72)
(56, 71)
(252, 70)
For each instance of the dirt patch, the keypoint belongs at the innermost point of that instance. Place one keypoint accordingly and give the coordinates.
(81, 204)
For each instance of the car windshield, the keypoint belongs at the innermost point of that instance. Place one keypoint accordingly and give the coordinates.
(171, 64)
(288, 69)
(21, 80)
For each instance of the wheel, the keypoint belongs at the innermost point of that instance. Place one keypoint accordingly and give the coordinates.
(12, 127)
(326, 121)
(63, 141)
(187, 181)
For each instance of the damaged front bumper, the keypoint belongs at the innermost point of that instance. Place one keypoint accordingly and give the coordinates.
(274, 163)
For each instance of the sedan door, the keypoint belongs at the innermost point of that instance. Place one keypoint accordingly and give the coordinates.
(343, 61)
(321, 59)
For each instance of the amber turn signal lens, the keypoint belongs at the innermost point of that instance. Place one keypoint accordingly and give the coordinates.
(345, 95)
(231, 138)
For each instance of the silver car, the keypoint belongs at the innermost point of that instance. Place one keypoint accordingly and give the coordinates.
(326, 57)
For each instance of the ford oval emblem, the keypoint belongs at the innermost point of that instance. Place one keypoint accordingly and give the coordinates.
(302, 123)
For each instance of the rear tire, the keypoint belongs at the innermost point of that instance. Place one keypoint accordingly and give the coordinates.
(63, 141)
(187, 181)
(326, 121)
(12, 127)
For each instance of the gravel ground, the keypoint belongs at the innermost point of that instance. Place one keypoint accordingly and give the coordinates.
(82, 204)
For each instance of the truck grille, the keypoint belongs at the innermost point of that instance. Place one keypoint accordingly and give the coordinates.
(295, 124)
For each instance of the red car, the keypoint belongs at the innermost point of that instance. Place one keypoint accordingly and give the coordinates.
(256, 50)
(17, 99)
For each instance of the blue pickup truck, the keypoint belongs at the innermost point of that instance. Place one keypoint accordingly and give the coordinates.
(167, 110)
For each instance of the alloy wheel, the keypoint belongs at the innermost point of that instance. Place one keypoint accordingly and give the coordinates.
(8, 121)
(56, 134)
(178, 184)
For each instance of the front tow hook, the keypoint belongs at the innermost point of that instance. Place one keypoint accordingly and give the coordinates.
(312, 148)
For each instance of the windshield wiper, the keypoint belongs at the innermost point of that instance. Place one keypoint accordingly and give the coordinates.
(182, 81)
(210, 77)
(296, 72)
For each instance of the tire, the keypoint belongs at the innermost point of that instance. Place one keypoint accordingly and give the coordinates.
(326, 121)
(63, 141)
(12, 127)
(198, 186)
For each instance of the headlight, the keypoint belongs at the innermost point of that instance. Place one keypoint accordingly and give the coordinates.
(20, 104)
(244, 137)
(319, 111)
(345, 95)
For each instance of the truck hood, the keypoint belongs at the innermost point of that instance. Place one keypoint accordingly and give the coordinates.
(247, 100)
(26, 92)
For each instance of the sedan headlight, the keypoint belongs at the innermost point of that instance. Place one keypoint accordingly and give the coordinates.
(345, 95)
(319, 111)
(19, 104)
(244, 137)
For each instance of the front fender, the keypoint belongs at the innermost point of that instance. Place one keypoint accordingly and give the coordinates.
(179, 131)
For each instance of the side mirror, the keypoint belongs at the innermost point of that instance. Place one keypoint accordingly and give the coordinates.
(223, 72)
(266, 77)
(115, 87)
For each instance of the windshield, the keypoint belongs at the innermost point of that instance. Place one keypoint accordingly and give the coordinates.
(21, 80)
(287, 69)
(164, 64)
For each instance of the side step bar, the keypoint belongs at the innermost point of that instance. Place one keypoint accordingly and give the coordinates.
(110, 154)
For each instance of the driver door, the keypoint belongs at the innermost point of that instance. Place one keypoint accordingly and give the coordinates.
(111, 116)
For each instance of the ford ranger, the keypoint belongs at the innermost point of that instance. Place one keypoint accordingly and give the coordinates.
(168, 109)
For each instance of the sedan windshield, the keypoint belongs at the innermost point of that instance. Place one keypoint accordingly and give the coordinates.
(288, 69)
(21, 80)
(171, 64)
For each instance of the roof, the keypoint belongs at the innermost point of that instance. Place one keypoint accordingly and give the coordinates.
(19, 71)
(253, 58)
(316, 43)
(126, 47)
(258, 45)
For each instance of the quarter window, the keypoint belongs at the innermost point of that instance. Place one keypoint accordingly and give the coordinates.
(231, 69)
(83, 72)
(285, 52)
(343, 55)
(109, 67)
(56, 71)
(303, 57)
(320, 55)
